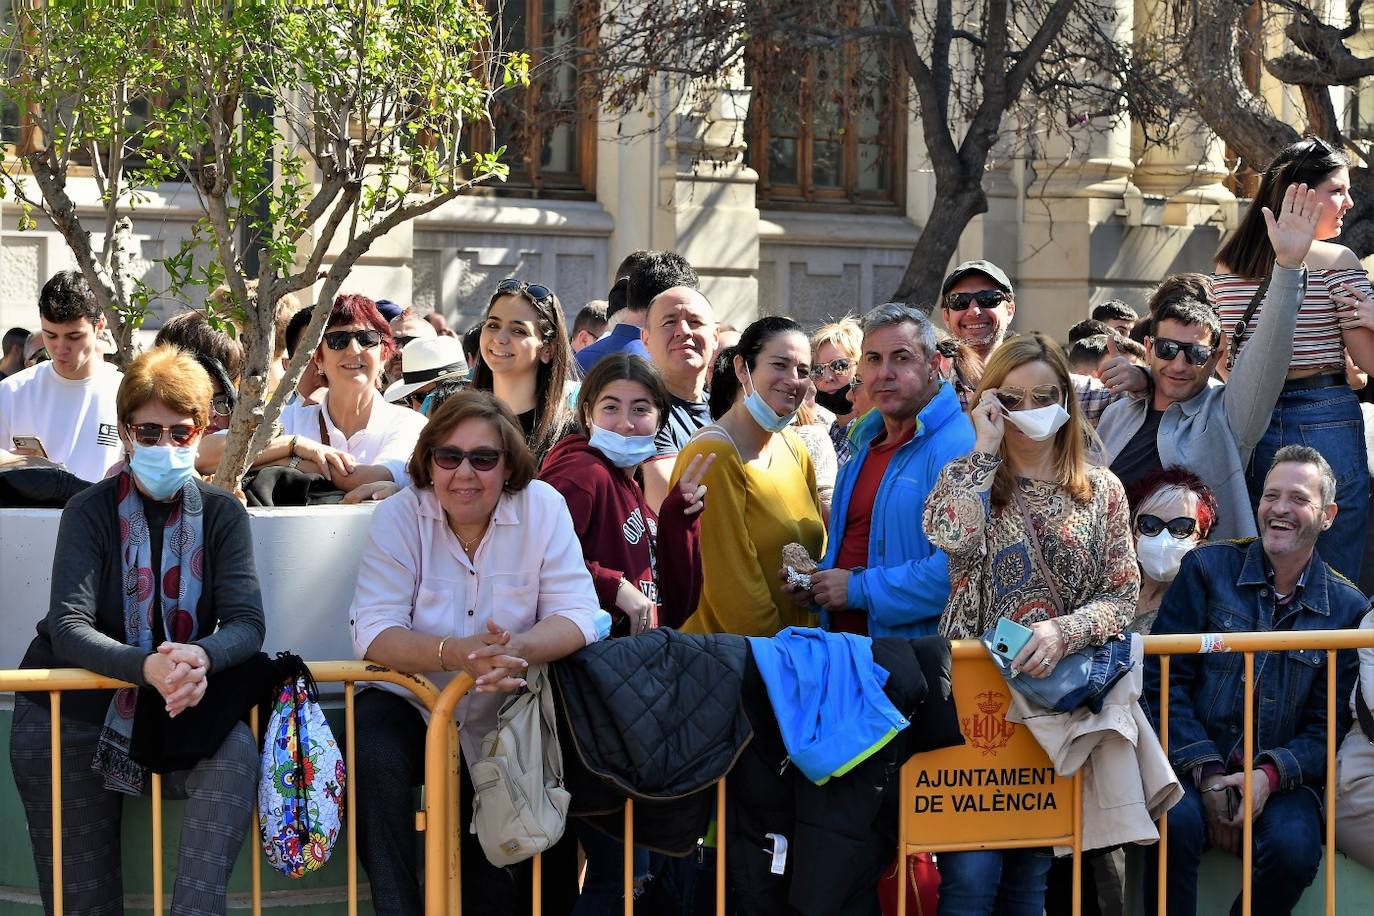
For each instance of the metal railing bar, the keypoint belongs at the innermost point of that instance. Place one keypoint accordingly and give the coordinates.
(720, 847)
(254, 726)
(157, 844)
(55, 769)
(1078, 843)
(628, 858)
(1331, 698)
(1164, 818)
(351, 793)
(1248, 788)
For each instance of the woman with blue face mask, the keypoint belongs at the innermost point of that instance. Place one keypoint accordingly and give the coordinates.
(763, 485)
(195, 616)
(646, 567)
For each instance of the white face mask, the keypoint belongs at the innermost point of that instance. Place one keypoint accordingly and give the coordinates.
(1160, 554)
(1039, 423)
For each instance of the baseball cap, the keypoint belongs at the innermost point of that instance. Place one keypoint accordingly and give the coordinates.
(986, 268)
(389, 309)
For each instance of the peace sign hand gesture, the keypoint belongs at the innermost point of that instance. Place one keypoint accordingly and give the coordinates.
(691, 486)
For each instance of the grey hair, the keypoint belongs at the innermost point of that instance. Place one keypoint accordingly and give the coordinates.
(1305, 454)
(890, 313)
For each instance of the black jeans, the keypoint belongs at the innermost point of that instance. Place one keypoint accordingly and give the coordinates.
(389, 763)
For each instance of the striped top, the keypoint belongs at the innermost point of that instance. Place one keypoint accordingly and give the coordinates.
(1317, 343)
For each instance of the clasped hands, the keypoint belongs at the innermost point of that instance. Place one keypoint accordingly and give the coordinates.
(179, 672)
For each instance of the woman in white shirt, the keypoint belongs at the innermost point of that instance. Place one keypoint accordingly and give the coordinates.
(475, 567)
(377, 438)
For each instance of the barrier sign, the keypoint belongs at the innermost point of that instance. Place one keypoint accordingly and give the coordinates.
(999, 787)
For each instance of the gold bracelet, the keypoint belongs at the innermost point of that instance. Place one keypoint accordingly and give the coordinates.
(442, 666)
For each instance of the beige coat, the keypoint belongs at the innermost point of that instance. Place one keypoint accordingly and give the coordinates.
(1127, 780)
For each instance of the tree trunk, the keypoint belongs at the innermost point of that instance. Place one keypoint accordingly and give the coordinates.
(954, 207)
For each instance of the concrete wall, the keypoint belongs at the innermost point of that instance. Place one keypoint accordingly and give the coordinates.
(307, 561)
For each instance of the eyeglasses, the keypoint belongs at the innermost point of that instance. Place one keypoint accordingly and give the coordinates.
(1167, 349)
(151, 433)
(1040, 396)
(1150, 525)
(984, 298)
(481, 459)
(367, 338)
(221, 406)
(834, 367)
(536, 292)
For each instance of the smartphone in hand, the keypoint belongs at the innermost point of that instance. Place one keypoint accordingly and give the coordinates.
(1009, 639)
(29, 445)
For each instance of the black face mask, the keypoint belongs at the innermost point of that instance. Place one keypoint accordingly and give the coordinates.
(837, 402)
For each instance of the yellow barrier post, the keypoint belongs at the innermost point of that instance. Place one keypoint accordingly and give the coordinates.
(441, 780)
(256, 728)
(628, 859)
(55, 681)
(1331, 780)
(1163, 886)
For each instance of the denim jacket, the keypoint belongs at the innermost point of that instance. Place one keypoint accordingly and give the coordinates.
(1225, 588)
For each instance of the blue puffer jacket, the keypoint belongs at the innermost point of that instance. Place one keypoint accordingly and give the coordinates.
(905, 586)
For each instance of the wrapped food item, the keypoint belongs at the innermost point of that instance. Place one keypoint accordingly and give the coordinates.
(798, 564)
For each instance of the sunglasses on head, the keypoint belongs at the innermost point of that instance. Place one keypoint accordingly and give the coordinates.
(151, 433)
(1167, 349)
(367, 338)
(834, 367)
(1012, 398)
(481, 459)
(1314, 144)
(537, 292)
(985, 299)
(1150, 525)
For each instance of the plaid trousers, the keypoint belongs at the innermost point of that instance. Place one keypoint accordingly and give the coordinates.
(220, 792)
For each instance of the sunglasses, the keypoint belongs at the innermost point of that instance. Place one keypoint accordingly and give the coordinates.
(181, 434)
(985, 299)
(1150, 525)
(401, 342)
(1040, 396)
(40, 356)
(481, 459)
(367, 338)
(834, 367)
(1314, 144)
(536, 292)
(1167, 349)
(220, 405)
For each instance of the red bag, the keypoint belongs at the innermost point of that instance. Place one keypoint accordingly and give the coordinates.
(922, 887)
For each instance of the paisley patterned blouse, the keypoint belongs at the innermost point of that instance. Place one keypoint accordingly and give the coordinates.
(1087, 547)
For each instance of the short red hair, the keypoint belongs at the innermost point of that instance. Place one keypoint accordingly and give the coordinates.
(353, 308)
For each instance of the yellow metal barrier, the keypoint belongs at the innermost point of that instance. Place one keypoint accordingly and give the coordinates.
(56, 681)
(970, 672)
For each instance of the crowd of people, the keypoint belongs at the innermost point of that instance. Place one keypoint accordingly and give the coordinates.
(1199, 466)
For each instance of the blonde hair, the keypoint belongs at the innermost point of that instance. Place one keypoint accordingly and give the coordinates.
(170, 376)
(1073, 438)
(844, 335)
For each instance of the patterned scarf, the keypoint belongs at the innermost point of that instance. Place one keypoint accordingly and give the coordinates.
(183, 567)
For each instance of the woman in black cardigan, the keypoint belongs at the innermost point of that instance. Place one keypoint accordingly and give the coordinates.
(153, 583)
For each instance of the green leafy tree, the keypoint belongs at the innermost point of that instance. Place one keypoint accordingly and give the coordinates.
(308, 129)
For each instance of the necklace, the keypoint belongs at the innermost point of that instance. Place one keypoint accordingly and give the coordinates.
(470, 547)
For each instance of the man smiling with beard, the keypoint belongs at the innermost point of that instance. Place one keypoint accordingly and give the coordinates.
(1274, 582)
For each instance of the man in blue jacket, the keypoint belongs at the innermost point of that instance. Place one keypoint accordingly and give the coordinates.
(880, 576)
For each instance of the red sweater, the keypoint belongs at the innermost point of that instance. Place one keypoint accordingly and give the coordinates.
(616, 530)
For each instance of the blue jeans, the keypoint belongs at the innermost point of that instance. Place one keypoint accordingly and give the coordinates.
(1007, 882)
(603, 886)
(1288, 851)
(1329, 420)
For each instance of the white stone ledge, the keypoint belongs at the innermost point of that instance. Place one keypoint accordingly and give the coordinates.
(534, 217)
(836, 230)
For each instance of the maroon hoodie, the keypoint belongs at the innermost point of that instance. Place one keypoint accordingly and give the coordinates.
(616, 530)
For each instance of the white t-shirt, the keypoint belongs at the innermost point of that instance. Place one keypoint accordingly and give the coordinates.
(75, 420)
(388, 439)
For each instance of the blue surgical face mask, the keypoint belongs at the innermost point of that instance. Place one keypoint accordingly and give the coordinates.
(426, 404)
(163, 469)
(764, 415)
(622, 451)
